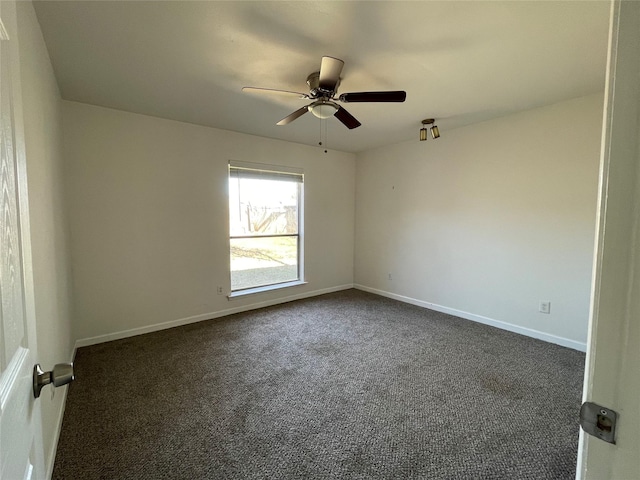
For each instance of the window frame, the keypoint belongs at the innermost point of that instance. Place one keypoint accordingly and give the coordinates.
(270, 172)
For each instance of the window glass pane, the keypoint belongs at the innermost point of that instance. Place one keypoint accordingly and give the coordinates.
(262, 207)
(263, 261)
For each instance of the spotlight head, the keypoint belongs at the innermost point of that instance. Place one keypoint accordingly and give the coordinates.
(423, 134)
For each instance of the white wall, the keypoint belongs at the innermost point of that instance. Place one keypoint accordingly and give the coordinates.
(488, 220)
(43, 138)
(148, 213)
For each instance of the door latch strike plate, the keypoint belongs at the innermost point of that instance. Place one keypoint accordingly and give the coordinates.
(599, 421)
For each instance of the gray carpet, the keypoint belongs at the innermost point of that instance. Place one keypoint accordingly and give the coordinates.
(346, 385)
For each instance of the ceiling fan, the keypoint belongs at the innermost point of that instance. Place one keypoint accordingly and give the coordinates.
(323, 88)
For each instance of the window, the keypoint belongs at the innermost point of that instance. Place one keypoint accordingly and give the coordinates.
(265, 207)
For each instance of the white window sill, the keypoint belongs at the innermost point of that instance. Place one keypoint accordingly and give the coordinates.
(267, 288)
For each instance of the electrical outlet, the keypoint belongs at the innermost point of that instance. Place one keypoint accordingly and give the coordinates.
(545, 307)
(390, 277)
(220, 292)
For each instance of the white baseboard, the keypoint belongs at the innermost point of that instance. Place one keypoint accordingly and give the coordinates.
(51, 459)
(84, 342)
(529, 332)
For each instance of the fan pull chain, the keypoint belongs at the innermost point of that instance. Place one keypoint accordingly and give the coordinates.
(326, 129)
(323, 139)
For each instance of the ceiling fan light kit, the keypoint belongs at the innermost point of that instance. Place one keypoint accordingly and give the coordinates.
(435, 132)
(323, 88)
(323, 109)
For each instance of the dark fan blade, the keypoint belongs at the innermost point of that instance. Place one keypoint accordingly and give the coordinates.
(330, 70)
(346, 118)
(272, 90)
(294, 115)
(397, 96)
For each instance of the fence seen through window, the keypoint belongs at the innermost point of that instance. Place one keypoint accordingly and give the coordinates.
(264, 223)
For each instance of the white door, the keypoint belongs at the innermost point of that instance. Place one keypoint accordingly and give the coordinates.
(612, 377)
(20, 422)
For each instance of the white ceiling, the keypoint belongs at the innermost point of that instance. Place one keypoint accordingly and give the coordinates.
(459, 62)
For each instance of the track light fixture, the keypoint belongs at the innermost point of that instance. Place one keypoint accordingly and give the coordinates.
(435, 132)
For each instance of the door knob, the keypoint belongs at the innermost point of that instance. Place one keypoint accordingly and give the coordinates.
(61, 374)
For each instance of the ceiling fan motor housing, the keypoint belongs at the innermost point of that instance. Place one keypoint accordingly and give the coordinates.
(313, 81)
(323, 86)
